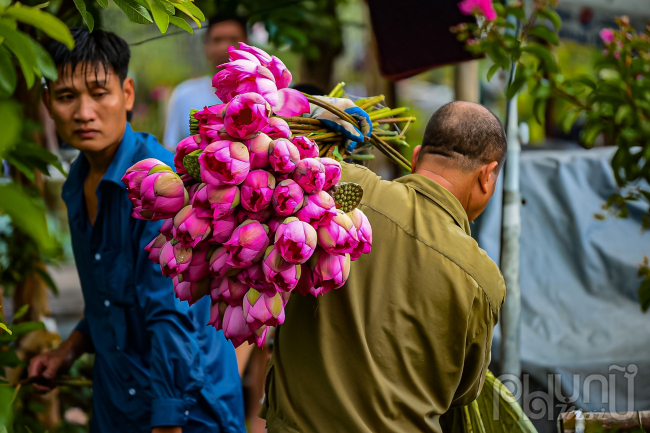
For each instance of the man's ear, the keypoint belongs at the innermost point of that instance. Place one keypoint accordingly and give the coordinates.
(129, 93)
(487, 176)
(414, 159)
(46, 100)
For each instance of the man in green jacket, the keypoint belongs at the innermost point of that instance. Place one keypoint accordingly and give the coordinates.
(408, 337)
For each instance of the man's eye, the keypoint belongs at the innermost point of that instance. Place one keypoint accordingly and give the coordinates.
(99, 94)
(65, 98)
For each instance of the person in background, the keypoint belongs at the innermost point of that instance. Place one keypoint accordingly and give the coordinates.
(158, 367)
(223, 31)
(408, 336)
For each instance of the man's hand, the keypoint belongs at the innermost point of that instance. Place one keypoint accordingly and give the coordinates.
(167, 430)
(49, 364)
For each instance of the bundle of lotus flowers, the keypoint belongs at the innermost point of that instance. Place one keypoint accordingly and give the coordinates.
(251, 214)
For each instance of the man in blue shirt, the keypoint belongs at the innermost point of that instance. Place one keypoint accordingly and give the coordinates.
(158, 368)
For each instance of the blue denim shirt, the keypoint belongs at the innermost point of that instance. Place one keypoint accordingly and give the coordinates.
(156, 364)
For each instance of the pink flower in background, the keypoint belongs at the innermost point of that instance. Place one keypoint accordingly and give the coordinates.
(617, 55)
(258, 148)
(215, 202)
(295, 240)
(223, 227)
(218, 263)
(211, 122)
(217, 310)
(339, 236)
(607, 35)
(308, 284)
(306, 146)
(246, 114)
(310, 175)
(332, 172)
(364, 233)
(190, 291)
(261, 216)
(273, 224)
(234, 326)
(155, 246)
(253, 276)
(135, 175)
(228, 289)
(189, 228)
(174, 259)
(283, 155)
(288, 197)
(247, 244)
(282, 274)
(166, 228)
(184, 148)
(485, 7)
(263, 309)
(257, 190)
(331, 271)
(224, 162)
(199, 265)
(277, 128)
(162, 195)
(319, 209)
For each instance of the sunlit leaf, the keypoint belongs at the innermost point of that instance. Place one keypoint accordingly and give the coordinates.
(21, 312)
(103, 3)
(493, 70)
(85, 14)
(47, 23)
(160, 15)
(44, 61)
(134, 11)
(21, 46)
(4, 327)
(552, 16)
(180, 22)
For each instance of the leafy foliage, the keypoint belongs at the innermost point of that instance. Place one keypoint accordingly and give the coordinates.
(615, 104)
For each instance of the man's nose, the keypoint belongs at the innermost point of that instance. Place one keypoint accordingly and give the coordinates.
(85, 111)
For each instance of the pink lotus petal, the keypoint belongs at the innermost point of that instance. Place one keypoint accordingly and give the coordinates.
(290, 103)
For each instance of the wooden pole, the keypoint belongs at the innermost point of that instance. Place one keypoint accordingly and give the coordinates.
(466, 83)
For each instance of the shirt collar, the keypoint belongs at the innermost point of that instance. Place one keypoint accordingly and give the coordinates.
(439, 195)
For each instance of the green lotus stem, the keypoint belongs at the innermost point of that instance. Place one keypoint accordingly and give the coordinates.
(301, 120)
(369, 102)
(324, 136)
(337, 91)
(396, 120)
(389, 151)
(379, 114)
(304, 126)
(362, 156)
(396, 140)
(194, 124)
(381, 133)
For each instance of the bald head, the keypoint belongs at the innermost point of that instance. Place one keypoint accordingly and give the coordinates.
(468, 135)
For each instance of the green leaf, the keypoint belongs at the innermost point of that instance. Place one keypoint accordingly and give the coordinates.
(552, 16)
(160, 15)
(87, 16)
(27, 327)
(186, 11)
(168, 6)
(515, 86)
(8, 358)
(590, 132)
(21, 312)
(21, 45)
(103, 3)
(539, 109)
(22, 166)
(623, 112)
(48, 23)
(569, 119)
(545, 33)
(583, 79)
(134, 11)
(517, 12)
(543, 54)
(5, 3)
(44, 61)
(7, 74)
(194, 10)
(644, 294)
(493, 70)
(47, 278)
(36, 157)
(180, 22)
(10, 114)
(4, 327)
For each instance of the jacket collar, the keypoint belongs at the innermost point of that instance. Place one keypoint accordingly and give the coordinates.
(439, 195)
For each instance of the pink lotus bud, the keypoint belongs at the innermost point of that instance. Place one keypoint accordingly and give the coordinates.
(257, 190)
(223, 227)
(258, 148)
(247, 244)
(253, 276)
(166, 228)
(339, 236)
(246, 51)
(246, 114)
(228, 289)
(279, 177)
(331, 272)
(308, 282)
(174, 259)
(261, 216)
(192, 189)
(189, 228)
(295, 240)
(135, 175)
(224, 162)
(211, 122)
(332, 172)
(310, 175)
(215, 202)
(282, 274)
(306, 146)
(273, 225)
(217, 310)
(318, 210)
(162, 193)
(234, 326)
(218, 263)
(190, 291)
(483, 7)
(263, 309)
(364, 233)
(283, 155)
(242, 76)
(199, 265)
(607, 35)
(154, 248)
(277, 128)
(184, 148)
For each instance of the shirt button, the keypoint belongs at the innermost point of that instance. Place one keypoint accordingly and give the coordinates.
(132, 391)
(187, 413)
(107, 303)
(98, 257)
(118, 348)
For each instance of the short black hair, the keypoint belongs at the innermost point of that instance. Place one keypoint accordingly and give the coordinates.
(467, 133)
(96, 49)
(227, 15)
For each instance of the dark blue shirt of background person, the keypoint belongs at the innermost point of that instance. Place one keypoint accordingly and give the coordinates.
(158, 367)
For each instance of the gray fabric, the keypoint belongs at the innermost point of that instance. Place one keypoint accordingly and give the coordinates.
(580, 313)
